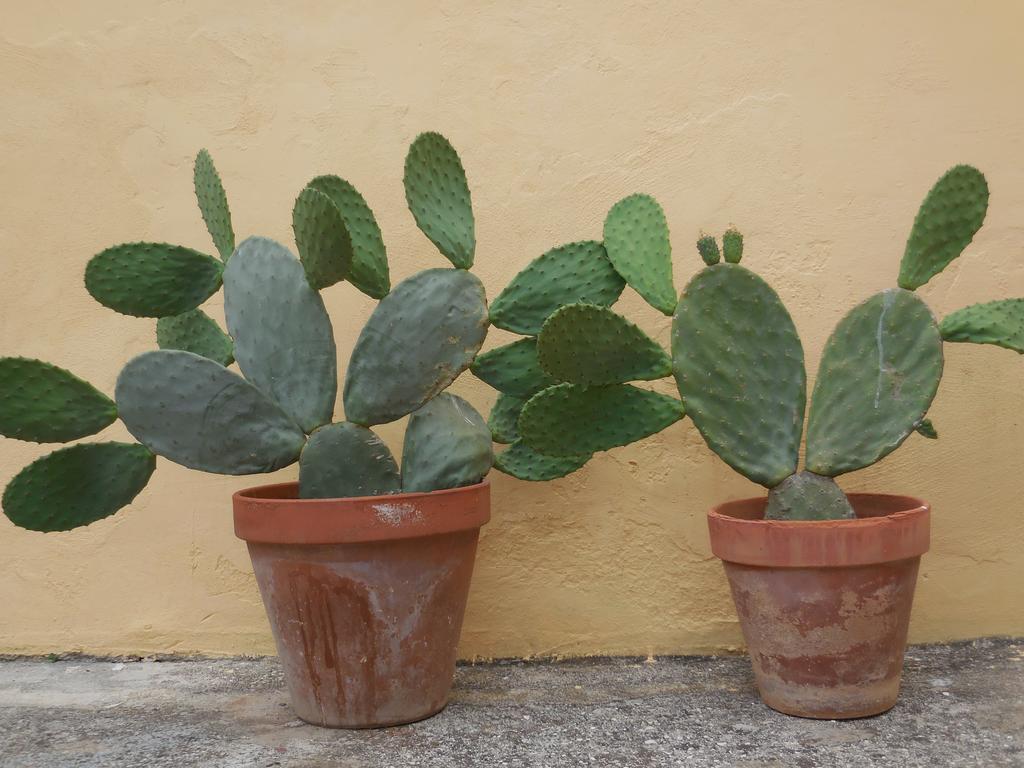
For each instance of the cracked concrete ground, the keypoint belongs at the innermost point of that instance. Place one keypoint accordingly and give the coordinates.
(962, 705)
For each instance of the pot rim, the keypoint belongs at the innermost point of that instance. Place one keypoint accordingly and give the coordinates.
(273, 514)
(889, 527)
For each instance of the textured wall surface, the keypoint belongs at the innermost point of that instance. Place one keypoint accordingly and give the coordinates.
(814, 127)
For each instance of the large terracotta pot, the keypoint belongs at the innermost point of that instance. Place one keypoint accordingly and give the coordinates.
(824, 606)
(365, 596)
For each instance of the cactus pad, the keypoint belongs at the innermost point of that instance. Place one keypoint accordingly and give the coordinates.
(447, 445)
(284, 343)
(504, 418)
(438, 196)
(878, 374)
(419, 338)
(213, 204)
(42, 403)
(732, 246)
(345, 460)
(513, 369)
(994, 322)
(521, 461)
(152, 279)
(740, 370)
(592, 346)
(196, 332)
(201, 415)
(577, 272)
(708, 250)
(78, 485)
(926, 429)
(807, 496)
(566, 420)
(369, 271)
(951, 214)
(636, 238)
(322, 239)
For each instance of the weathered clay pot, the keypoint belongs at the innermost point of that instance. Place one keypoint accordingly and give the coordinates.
(365, 596)
(824, 606)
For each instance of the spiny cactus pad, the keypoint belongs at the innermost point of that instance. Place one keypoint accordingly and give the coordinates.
(807, 496)
(322, 239)
(566, 420)
(577, 272)
(878, 374)
(344, 460)
(438, 196)
(521, 461)
(201, 415)
(369, 271)
(740, 370)
(994, 322)
(636, 238)
(196, 332)
(213, 204)
(513, 369)
(708, 250)
(284, 343)
(504, 418)
(593, 346)
(951, 214)
(732, 246)
(447, 445)
(46, 404)
(419, 338)
(152, 279)
(78, 485)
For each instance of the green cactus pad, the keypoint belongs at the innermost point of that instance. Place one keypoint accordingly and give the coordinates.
(369, 271)
(78, 485)
(513, 369)
(951, 214)
(592, 346)
(213, 204)
(708, 250)
(927, 429)
(438, 196)
(420, 337)
(522, 462)
(566, 420)
(345, 460)
(322, 239)
(807, 496)
(732, 246)
(152, 279)
(42, 403)
(636, 238)
(196, 332)
(447, 445)
(504, 418)
(284, 343)
(577, 272)
(740, 370)
(878, 374)
(994, 322)
(201, 415)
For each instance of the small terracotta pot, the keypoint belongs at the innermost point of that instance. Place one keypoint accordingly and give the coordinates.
(365, 596)
(824, 606)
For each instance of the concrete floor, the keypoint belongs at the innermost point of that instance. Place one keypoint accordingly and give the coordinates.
(962, 705)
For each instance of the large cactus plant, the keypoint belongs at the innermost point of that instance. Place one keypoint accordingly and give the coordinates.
(738, 361)
(184, 403)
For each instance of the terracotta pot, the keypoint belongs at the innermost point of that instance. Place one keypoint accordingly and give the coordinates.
(824, 605)
(365, 596)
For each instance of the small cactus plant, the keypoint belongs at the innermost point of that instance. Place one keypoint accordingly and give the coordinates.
(739, 364)
(182, 402)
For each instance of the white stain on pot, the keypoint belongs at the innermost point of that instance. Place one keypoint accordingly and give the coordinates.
(396, 514)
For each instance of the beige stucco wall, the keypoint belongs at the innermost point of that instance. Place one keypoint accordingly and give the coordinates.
(816, 127)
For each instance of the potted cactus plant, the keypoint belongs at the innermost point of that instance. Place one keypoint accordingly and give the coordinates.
(363, 565)
(822, 581)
